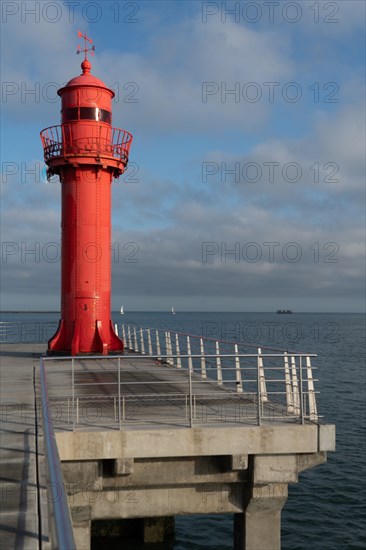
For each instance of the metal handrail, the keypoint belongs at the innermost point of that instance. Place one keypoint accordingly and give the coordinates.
(224, 342)
(61, 532)
(294, 392)
(183, 355)
(58, 141)
(297, 404)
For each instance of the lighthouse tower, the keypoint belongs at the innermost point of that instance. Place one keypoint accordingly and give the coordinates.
(86, 152)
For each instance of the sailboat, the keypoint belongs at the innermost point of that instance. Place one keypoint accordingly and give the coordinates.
(173, 312)
(122, 312)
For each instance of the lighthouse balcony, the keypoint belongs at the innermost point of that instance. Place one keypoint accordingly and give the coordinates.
(66, 140)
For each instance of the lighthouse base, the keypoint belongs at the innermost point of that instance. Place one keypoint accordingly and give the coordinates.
(73, 339)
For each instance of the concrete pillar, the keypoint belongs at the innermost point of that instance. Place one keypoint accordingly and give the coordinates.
(115, 532)
(81, 523)
(259, 526)
(158, 529)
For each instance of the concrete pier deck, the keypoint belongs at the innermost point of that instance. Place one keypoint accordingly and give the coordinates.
(152, 395)
(19, 488)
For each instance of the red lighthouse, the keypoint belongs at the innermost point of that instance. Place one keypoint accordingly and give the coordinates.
(86, 152)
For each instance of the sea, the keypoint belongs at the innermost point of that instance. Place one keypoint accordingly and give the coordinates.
(326, 509)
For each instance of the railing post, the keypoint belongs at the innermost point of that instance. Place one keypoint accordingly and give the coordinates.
(262, 377)
(136, 345)
(64, 141)
(129, 338)
(177, 352)
(119, 393)
(301, 392)
(124, 335)
(295, 386)
(218, 365)
(142, 342)
(190, 397)
(170, 359)
(203, 361)
(190, 364)
(311, 393)
(166, 345)
(289, 394)
(116, 328)
(158, 349)
(259, 399)
(238, 380)
(149, 343)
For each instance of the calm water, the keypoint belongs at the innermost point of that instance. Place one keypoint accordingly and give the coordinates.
(326, 510)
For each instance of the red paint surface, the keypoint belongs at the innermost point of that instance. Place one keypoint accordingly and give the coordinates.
(86, 153)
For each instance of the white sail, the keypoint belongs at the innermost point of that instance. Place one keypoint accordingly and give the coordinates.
(122, 312)
(173, 312)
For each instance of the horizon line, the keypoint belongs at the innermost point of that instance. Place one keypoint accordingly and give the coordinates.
(179, 311)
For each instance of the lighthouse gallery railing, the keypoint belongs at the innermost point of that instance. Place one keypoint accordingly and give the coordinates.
(59, 141)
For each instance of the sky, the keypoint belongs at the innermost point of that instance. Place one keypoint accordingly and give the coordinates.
(245, 189)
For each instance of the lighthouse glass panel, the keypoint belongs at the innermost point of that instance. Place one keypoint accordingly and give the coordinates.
(70, 114)
(93, 113)
(86, 113)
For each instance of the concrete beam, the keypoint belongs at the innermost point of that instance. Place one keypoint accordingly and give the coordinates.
(307, 461)
(327, 437)
(206, 498)
(123, 466)
(174, 472)
(239, 462)
(208, 441)
(275, 469)
(82, 474)
(284, 468)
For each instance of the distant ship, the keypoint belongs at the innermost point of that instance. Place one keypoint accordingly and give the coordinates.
(122, 312)
(285, 311)
(173, 312)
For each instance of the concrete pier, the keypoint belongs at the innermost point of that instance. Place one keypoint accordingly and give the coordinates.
(156, 473)
(120, 463)
(20, 521)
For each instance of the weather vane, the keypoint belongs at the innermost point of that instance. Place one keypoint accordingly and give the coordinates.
(85, 49)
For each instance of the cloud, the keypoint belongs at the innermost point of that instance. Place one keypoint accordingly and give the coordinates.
(167, 219)
(187, 76)
(166, 84)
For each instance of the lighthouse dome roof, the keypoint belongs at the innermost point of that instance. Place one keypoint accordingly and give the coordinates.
(85, 79)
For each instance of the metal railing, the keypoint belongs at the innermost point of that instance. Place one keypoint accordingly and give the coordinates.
(138, 339)
(61, 141)
(280, 383)
(61, 532)
(130, 390)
